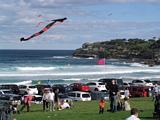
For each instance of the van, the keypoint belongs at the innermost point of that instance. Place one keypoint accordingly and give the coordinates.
(79, 96)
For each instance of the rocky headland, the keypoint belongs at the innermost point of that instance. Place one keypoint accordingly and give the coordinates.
(134, 50)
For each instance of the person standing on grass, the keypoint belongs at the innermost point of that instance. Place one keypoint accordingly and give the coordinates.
(45, 99)
(101, 105)
(27, 101)
(126, 93)
(134, 114)
(51, 100)
(113, 96)
(56, 99)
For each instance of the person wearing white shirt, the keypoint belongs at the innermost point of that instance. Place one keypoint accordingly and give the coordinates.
(134, 114)
(51, 98)
(45, 99)
(126, 93)
(64, 105)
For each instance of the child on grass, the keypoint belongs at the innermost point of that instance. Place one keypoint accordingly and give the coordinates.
(101, 105)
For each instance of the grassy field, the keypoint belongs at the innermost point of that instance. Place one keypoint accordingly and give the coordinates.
(89, 111)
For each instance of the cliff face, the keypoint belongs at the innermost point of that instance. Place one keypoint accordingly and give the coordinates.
(139, 50)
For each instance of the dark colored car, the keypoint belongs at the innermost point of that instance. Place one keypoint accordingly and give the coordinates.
(13, 87)
(80, 87)
(13, 98)
(41, 88)
(63, 88)
(97, 95)
(64, 97)
(108, 82)
(156, 82)
(139, 91)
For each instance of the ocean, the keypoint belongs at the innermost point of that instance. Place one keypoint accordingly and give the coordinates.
(59, 66)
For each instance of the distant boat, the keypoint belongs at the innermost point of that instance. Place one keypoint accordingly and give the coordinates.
(101, 61)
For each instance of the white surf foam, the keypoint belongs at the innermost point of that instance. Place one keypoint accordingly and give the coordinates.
(138, 65)
(35, 68)
(60, 57)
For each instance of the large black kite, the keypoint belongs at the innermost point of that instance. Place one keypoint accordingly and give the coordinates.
(44, 29)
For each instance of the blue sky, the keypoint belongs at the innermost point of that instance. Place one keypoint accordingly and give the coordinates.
(88, 21)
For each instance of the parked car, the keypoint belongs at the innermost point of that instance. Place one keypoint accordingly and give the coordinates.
(79, 96)
(41, 88)
(80, 87)
(156, 82)
(12, 87)
(24, 88)
(125, 84)
(64, 97)
(63, 88)
(97, 95)
(108, 82)
(9, 96)
(139, 91)
(97, 86)
(5, 92)
(142, 82)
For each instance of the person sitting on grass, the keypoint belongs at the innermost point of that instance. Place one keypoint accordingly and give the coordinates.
(64, 104)
(101, 105)
(134, 114)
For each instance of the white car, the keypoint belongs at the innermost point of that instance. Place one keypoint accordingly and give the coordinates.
(142, 82)
(97, 86)
(148, 83)
(24, 88)
(79, 96)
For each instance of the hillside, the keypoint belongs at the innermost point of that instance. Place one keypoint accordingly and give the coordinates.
(136, 50)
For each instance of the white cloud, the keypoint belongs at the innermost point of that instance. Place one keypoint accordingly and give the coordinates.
(3, 18)
(54, 3)
(18, 18)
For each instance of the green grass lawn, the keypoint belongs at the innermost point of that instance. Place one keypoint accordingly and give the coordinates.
(89, 111)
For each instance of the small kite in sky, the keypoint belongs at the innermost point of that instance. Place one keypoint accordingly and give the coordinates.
(109, 14)
(44, 29)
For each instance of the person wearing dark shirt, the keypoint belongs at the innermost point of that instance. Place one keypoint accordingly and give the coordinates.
(56, 99)
(113, 96)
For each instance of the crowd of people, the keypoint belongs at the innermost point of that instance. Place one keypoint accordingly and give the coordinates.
(51, 101)
(116, 102)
